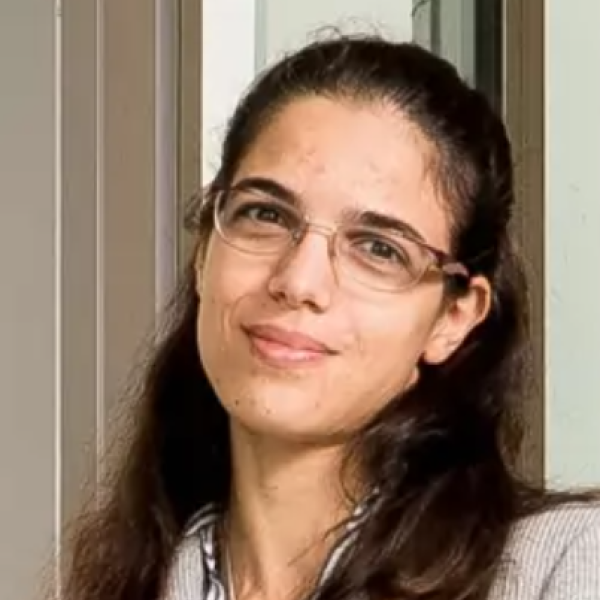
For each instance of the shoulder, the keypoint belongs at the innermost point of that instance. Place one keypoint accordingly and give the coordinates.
(193, 558)
(553, 555)
(186, 574)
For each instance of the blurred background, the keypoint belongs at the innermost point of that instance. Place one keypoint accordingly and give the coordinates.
(111, 115)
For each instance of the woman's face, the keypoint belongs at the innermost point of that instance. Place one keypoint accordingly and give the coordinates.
(292, 346)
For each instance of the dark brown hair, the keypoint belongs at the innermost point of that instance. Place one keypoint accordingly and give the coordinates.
(443, 455)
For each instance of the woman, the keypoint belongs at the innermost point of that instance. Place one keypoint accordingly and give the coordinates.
(335, 410)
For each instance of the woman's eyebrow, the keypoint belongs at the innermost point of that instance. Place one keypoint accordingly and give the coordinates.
(377, 220)
(271, 188)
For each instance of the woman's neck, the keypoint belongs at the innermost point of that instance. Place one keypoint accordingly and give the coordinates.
(285, 502)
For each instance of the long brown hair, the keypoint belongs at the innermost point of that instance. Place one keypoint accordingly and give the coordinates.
(443, 455)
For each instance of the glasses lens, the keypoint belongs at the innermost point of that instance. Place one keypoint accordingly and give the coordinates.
(381, 260)
(254, 222)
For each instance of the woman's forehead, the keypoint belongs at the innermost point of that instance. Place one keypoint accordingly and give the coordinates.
(337, 155)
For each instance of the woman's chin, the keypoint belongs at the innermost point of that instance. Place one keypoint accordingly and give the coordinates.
(287, 417)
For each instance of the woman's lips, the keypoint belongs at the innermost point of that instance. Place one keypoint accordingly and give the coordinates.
(284, 348)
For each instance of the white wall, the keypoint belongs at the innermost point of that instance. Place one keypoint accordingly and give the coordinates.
(573, 242)
(228, 66)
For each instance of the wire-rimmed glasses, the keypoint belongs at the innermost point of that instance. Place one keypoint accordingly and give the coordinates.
(381, 258)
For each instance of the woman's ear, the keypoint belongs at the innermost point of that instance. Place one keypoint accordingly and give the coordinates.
(458, 318)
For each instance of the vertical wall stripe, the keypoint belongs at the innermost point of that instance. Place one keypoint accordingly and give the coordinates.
(166, 92)
(100, 235)
(58, 306)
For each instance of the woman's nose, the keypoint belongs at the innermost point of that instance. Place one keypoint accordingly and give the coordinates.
(305, 275)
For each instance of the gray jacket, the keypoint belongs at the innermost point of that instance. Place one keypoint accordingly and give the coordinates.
(550, 556)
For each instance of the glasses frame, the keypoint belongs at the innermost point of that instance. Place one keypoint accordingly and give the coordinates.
(440, 261)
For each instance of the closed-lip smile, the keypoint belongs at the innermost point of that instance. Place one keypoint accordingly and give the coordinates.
(283, 347)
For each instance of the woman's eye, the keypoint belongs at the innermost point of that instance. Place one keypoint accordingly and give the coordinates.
(264, 213)
(382, 250)
(257, 212)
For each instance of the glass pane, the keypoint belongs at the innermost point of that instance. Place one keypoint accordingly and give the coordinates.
(469, 34)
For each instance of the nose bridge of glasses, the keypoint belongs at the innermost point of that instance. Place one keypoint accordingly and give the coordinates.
(323, 229)
(310, 257)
